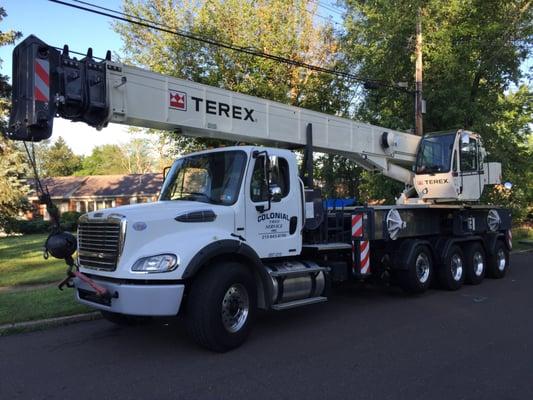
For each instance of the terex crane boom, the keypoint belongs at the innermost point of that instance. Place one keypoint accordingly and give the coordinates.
(235, 228)
(102, 92)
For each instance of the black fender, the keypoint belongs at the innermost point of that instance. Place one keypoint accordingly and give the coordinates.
(232, 249)
(442, 245)
(405, 251)
(490, 242)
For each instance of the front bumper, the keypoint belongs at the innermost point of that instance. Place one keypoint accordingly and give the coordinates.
(132, 299)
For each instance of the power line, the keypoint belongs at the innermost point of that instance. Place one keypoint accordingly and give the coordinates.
(103, 11)
(328, 19)
(327, 7)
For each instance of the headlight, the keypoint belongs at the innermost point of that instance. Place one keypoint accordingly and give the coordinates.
(159, 263)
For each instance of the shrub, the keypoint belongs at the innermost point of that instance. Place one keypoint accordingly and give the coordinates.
(27, 227)
(69, 220)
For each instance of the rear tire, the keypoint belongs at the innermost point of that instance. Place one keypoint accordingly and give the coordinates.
(451, 272)
(221, 307)
(498, 262)
(475, 263)
(419, 273)
(124, 319)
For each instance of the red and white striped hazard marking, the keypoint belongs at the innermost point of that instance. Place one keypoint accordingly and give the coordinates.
(41, 90)
(509, 238)
(364, 245)
(357, 225)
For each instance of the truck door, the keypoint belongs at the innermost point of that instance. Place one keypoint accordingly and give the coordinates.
(471, 180)
(273, 227)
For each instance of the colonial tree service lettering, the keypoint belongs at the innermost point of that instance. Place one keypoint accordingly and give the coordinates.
(273, 221)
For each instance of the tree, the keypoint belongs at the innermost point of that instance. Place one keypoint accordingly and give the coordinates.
(12, 168)
(274, 26)
(104, 160)
(472, 49)
(58, 159)
(139, 157)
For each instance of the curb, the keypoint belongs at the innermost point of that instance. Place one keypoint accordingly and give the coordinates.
(28, 326)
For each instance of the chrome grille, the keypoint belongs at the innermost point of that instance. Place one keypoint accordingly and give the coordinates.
(100, 243)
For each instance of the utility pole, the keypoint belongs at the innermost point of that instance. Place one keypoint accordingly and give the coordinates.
(419, 129)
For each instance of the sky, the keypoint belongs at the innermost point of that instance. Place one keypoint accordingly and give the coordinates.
(58, 25)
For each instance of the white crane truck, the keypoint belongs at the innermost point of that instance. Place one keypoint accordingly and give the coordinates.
(237, 229)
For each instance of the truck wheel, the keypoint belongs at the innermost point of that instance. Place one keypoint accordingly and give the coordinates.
(124, 319)
(451, 273)
(417, 277)
(498, 262)
(475, 263)
(221, 307)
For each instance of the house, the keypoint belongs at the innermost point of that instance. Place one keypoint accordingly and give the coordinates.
(89, 193)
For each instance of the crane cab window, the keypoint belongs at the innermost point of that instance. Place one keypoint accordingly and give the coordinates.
(435, 153)
(469, 156)
(279, 176)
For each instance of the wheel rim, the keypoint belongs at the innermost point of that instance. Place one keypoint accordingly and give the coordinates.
(235, 308)
(457, 267)
(479, 263)
(422, 267)
(501, 260)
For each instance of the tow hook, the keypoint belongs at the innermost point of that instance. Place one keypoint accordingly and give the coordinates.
(100, 290)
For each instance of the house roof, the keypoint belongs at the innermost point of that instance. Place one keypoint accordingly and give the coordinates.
(65, 187)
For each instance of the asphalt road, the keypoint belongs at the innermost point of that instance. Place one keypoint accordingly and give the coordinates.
(366, 343)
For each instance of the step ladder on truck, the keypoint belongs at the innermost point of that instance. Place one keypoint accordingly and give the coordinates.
(237, 229)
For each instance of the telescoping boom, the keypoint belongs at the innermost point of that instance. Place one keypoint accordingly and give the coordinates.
(102, 92)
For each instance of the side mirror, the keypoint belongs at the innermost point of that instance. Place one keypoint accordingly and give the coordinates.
(465, 138)
(275, 193)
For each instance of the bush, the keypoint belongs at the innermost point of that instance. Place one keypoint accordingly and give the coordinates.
(27, 227)
(69, 220)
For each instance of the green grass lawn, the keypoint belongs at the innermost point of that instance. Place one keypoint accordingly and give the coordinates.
(522, 233)
(29, 305)
(22, 262)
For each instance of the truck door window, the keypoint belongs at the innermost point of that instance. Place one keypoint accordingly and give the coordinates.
(258, 188)
(468, 156)
(279, 176)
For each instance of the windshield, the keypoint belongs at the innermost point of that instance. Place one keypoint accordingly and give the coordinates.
(435, 153)
(210, 178)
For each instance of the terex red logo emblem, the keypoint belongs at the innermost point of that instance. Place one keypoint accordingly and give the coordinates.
(178, 100)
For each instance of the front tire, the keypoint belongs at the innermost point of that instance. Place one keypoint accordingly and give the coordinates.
(221, 306)
(498, 262)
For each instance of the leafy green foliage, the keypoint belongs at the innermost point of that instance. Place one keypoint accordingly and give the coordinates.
(472, 50)
(58, 159)
(12, 166)
(274, 26)
(104, 160)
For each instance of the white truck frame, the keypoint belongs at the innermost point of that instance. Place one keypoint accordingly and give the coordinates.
(235, 228)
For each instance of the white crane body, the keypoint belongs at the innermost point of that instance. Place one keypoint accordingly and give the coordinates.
(235, 229)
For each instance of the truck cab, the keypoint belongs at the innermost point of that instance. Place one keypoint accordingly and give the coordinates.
(229, 198)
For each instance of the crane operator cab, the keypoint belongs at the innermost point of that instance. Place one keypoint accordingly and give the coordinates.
(450, 166)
